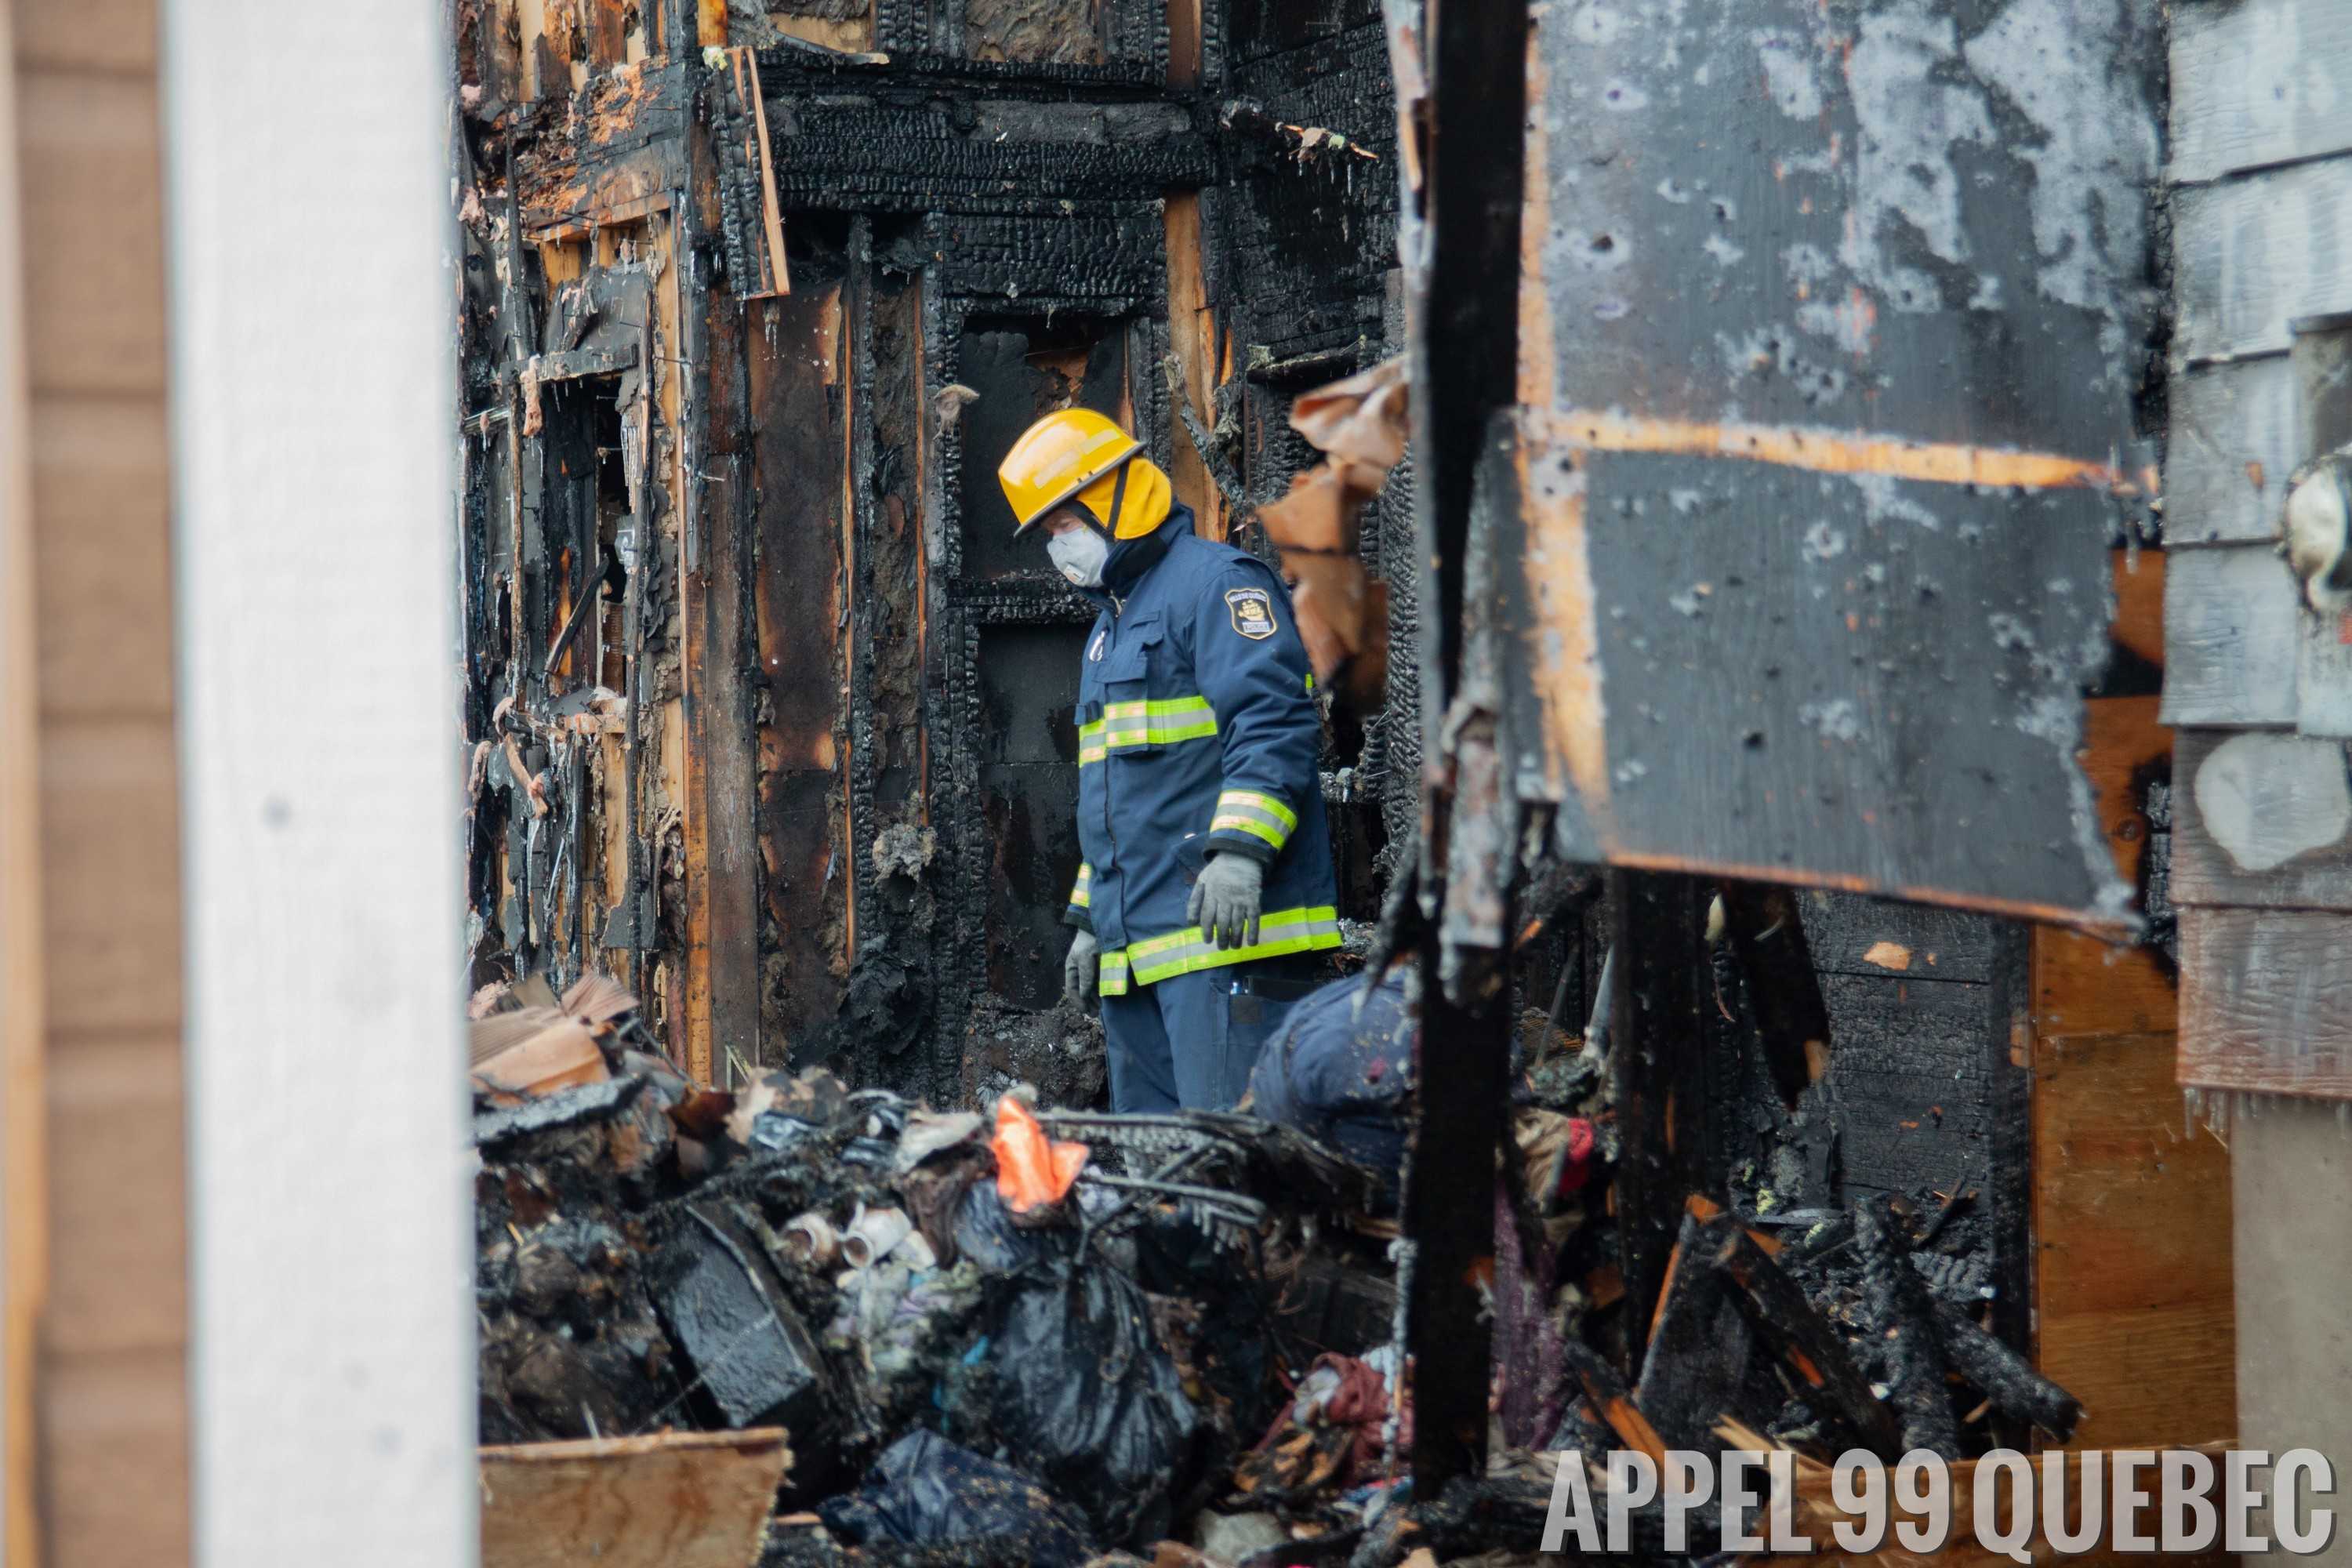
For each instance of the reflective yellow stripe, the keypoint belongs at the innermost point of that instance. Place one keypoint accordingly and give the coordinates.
(1261, 815)
(1187, 952)
(1110, 978)
(1081, 891)
(1161, 722)
(1271, 805)
(1234, 823)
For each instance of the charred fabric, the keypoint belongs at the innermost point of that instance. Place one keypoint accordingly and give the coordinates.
(1021, 1334)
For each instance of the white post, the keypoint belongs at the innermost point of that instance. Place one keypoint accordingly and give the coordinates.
(311, 240)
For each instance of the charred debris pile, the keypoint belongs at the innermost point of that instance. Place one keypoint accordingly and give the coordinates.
(1028, 1335)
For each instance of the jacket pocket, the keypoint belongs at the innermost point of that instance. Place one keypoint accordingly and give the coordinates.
(1131, 717)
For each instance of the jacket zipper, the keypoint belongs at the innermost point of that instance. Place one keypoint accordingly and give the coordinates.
(1117, 604)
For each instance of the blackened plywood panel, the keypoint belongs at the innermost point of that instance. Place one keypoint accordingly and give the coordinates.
(2234, 442)
(2253, 254)
(1910, 1082)
(2266, 1002)
(2261, 819)
(1881, 696)
(2230, 630)
(2259, 82)
(1880, 937)
(1926, 220)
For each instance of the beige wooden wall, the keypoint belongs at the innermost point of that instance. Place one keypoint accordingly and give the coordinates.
(2133, 1304)
(106, 1386)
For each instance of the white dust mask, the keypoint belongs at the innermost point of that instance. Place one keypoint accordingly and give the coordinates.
(1079, 553)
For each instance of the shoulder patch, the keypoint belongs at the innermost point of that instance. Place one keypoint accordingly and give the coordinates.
(1253, 612)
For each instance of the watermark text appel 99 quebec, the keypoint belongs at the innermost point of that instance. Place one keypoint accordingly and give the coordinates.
(2024, 1507)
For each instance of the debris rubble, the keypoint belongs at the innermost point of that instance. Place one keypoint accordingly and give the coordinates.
(1029, 1334)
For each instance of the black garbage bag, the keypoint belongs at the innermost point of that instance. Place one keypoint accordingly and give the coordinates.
(924, 1491)
(1082, 1391)
(985, 1232)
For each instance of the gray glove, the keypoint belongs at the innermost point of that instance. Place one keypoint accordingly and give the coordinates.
(1225, 899)
(1079, 969)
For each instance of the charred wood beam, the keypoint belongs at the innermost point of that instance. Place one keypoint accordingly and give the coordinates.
(1699, 1344)
(1792, 1019)
(1213, 457)
(1465, 364)
(1449, 1217)
(1901, 1321)
(1656, 1061)
(1812, 1346)
(2007, 1378)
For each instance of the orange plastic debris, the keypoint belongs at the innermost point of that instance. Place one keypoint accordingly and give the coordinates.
(1031, 1170)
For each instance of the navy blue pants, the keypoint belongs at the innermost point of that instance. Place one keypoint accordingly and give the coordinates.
(1189, 1041)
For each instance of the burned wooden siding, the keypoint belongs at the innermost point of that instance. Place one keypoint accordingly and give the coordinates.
(588, 599)
(1305, 278)
(1835, 333)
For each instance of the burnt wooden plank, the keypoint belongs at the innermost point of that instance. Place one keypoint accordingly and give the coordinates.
(2231, 634)
(1815, 1349)
(687, 1500)
(796, 361)
(2258, 82)
(1699, 1345)
(1656, 1049)
(2252, 254)
(2232, 445)
(1463, 354)
(722, 957)
(2266, 1002)
(2261, 819)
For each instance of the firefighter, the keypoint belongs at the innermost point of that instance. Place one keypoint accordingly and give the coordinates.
(1207, 880)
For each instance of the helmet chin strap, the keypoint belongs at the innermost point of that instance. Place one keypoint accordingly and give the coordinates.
(1118, 496)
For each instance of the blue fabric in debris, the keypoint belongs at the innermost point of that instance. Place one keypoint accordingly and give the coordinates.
(1341, 1074)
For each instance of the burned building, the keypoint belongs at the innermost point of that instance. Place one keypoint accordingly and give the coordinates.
(767, 714)
(767, 711)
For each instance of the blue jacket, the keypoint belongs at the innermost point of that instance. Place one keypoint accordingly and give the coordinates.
(1197, 731)
(1342, 1076)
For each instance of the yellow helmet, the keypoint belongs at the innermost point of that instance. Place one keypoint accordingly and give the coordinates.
(1076, 454)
